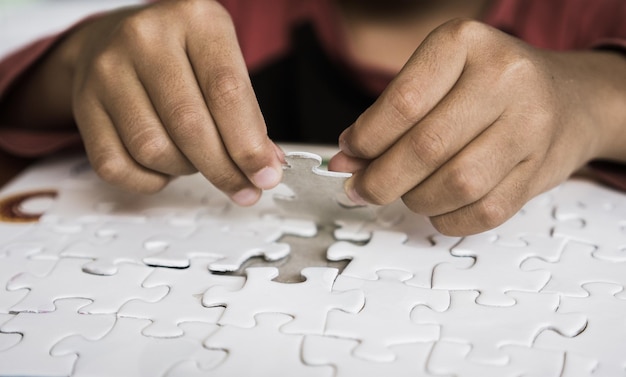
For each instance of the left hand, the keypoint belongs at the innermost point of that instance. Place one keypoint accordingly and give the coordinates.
(478, 122)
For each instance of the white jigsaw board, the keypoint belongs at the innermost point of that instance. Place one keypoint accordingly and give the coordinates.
(107, 283)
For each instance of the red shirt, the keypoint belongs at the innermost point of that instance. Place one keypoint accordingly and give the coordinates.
(272, 34)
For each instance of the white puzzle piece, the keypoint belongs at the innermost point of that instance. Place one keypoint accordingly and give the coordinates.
(308, 302)
(50, 239)
(410, 361)
(388, 303)
(604, 338)
(596, 216)
(451, 359)
(67, 280)
(496, 269)
(317, 194)
(124, 351)
(116, 243)
(8, 340)
(13, 263)
(577, 267)
(183, 302)
(245, 357)
(488, 328)
(388, 251)
(230, 244)
(40, 331)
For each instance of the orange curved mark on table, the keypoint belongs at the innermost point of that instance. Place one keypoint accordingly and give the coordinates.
(10, 206)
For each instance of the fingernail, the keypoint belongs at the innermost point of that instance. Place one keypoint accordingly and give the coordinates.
(246, 197)
(280, 154)
(353, 195)
(266, 178)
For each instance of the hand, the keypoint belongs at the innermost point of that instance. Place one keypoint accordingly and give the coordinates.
(477, 123)
(163, 90)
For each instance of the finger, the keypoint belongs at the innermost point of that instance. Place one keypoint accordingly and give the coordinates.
(471, 174)
(458, 119)
(106, 153)
(500, 204)
(172, 88)
(221, 71)
(140, 128)
(344, 163)
(426, 78)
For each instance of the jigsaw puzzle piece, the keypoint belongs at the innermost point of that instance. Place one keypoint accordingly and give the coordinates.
(183, 301)
(318, 194)
(40, 331)
(230, 244)
(67, 280)
(124, 351)
(262, 349)
(596, 216)
(536, 218)
(16, 262)
(576, 267)
(410, 361)
(389, 251)
(496, 269)
(488, 328)
(7, 340)
(389, 217)
(450, 359)
(385, 320)
(48, 239)
(604, 338)
(118, 243)
(11, 230)
(578, 366)
(308, 302)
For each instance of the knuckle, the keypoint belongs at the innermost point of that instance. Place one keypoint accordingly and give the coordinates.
(491, 213)
(465, 29)
(185, 120)
(417, 202)
(226, 89)
(466, 183)
(203, 8)
(139, 29)
(110, 167)
(517, 67)
(404, 99)
(375, 193)
(228, 181)
(446, 226)
(252, 156)
(428, 147)
(105, 64)
(149, 150)
(362, 145)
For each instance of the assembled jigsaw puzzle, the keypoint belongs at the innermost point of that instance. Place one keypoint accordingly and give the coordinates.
(99, 282)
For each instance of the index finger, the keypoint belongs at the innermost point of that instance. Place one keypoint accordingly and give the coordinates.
(223, 77)
(426, 78)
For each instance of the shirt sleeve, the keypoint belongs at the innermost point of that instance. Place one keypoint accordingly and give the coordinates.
(27, 143)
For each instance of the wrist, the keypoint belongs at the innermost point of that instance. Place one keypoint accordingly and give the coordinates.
(603, 93)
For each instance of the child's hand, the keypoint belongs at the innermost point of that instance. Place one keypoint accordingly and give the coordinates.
(477, 123)
(163, 90)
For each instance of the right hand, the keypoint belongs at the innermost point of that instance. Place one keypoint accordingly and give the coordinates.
(163, 90)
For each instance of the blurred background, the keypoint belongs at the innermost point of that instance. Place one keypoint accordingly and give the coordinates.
(23, 21)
